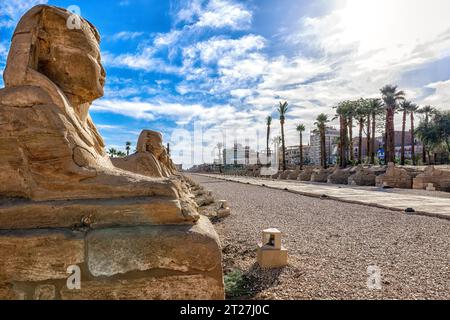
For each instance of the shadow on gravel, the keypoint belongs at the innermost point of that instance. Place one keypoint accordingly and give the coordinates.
(245, 285)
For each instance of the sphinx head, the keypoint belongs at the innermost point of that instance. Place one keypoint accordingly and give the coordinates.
(70, 58)
(151, 141)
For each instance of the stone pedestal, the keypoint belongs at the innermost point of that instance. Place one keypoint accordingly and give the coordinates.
(271, 253)
(121, 262)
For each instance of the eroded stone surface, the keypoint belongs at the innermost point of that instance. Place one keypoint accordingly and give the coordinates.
(178, 248)
(438, 177)
(395, 178)
(321, 175)
(39, 255)
(183, 287)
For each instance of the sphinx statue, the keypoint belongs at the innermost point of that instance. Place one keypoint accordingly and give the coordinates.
(62, 201)
(151, 158)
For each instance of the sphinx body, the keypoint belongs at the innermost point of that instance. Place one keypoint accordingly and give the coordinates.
(70, 203)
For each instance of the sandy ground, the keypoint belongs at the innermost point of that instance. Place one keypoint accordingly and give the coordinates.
(331, 245)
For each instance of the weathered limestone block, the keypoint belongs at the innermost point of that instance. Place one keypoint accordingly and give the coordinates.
(285, 174)
(176, 287)
(39, 255)
(306, 174)
(438, 177)
(121, 250)
(394, 178)
(293, 175)
(26, 214)
(362, 177)
(321, 175)
(340, 176)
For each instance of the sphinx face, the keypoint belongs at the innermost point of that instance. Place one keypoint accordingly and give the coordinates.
(72, 61)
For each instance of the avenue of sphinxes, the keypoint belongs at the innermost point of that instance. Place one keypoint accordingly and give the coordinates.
(130, 226)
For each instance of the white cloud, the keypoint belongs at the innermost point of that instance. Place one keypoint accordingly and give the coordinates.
(126, 35)
(224, 14)
(215, 14)
(441, 96)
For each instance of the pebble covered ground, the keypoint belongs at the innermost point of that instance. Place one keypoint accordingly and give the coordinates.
(331, 245)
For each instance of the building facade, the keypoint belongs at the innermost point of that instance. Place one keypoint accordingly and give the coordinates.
(331, 146)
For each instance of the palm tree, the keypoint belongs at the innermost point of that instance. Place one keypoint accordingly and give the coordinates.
(375, 107)
(391, 97)
(342, 111)
(282, 110)
(301, 128)
(351, 112)
(112, 152)
(428, 111)
(412, 109)
(404, 107)
(360, 113)
(321, 122)
(128, 147)
(268, 123)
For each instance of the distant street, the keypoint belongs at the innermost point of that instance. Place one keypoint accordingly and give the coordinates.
(331, 245)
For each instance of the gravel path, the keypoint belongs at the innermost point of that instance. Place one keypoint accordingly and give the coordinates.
(331, 244)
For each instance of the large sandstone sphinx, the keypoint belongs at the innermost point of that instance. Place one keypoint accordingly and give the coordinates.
(438, 177)
(65, 206)
(394, 178)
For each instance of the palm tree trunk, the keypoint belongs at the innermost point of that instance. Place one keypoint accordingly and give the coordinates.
(368, 139)
(402, 160)
(413, 143)
(283, 146)
(344, 143)
(390, 135)
(323, 147)
(267, 146)
(350, 132)
(341, 142)
(301, 151)
(361, 127)
(372, 155)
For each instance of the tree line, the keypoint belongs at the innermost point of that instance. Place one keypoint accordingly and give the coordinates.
(371, 116)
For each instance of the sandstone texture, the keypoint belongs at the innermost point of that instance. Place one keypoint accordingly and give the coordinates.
(131, 227)
(440, 178)
(362, 177)
(395, 178)
(340, 176)
(321, 175)
(305, 174)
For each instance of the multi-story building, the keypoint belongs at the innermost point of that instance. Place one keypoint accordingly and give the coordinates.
(293, 155)
(331, 146)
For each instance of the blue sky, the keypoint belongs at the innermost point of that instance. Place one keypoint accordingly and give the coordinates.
(223, 65)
